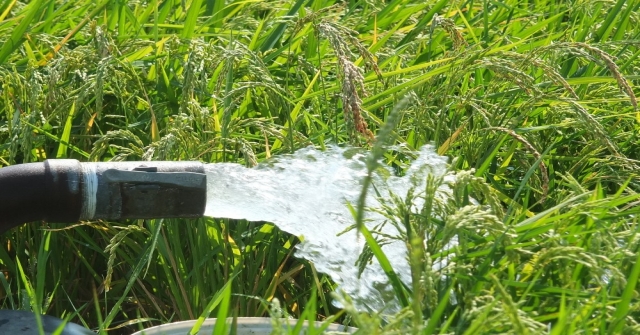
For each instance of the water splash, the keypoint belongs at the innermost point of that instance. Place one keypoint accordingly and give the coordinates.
(305, 194)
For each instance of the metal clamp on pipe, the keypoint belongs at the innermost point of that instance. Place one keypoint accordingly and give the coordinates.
(67, 191)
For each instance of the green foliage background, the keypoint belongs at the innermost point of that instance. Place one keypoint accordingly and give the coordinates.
(537, 99)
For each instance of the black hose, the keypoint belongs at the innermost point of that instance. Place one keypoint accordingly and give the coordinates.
(66, 191)
(40, 192)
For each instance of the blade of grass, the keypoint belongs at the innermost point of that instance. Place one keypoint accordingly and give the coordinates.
(623, 306)
(223, 312)
(385, 264)
(192, 19)
(32, 9)
(66, 133)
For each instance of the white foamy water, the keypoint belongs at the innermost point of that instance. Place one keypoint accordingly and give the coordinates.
(305, 194)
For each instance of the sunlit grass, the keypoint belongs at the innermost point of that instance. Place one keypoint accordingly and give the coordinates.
(534, 101)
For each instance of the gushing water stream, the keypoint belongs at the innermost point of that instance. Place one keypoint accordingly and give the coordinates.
(305, 194)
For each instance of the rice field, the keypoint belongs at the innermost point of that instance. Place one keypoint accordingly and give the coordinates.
(535, 102)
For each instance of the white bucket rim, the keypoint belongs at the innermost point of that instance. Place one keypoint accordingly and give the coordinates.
(259, 325)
